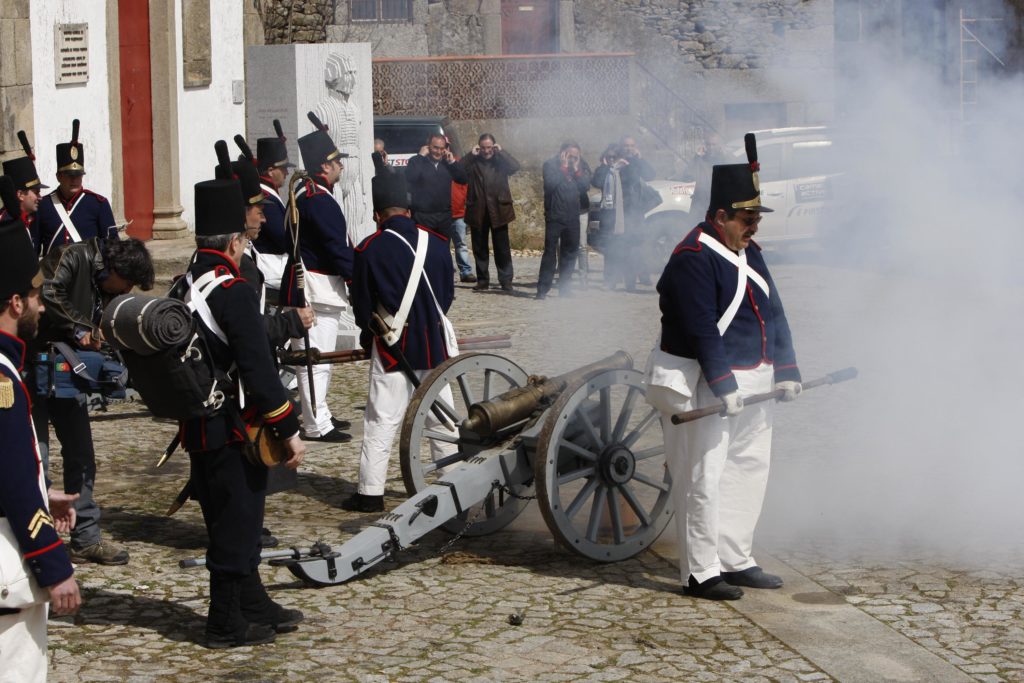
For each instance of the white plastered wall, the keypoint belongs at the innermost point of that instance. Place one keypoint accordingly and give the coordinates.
(207, 114)
(55, 106)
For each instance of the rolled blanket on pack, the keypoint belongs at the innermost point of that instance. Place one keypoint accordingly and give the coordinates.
(146, 324)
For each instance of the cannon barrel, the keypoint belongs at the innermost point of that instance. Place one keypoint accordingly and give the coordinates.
(488, 417)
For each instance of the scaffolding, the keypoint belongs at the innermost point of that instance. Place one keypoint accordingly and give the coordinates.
(972, 49)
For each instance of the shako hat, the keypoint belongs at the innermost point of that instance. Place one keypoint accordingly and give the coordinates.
(22, 170)
(220, 209)
(317, 147)
(273, 152)
(390, 191)
(19, 267)
(736, 186)
(243, 171)
(71, 155)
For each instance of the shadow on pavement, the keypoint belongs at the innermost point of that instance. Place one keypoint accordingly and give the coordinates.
(143, 527)
(171, 620)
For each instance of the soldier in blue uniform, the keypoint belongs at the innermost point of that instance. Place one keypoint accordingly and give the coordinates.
(29, 522)
(22, 171)
(724, 336)
(72, 213)
(272, 244)
(327, 257)
(382, 272)
(229, 486)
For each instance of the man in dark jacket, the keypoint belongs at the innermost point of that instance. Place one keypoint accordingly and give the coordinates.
(229, 486)
(489, 208)
(80, 279)
(566, 179)
(383, 268)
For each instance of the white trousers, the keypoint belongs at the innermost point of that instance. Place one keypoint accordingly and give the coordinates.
(389, 397)
(23, 645)
(719, 469)
(323, 335)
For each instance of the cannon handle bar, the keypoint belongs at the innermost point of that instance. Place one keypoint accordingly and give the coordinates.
(831, 378)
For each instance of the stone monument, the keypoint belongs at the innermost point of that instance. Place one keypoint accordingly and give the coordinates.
(334, 81)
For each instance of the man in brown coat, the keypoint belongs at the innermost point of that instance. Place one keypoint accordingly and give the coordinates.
(489, 208)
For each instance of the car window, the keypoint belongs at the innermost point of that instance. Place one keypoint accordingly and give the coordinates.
(812, 158)
(404, 139)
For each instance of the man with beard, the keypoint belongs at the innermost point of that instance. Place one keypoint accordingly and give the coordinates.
(724, 336)
(30, 515)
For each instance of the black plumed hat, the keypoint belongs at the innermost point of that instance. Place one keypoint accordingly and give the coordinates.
(273, 152)
(220, 209)
(390, 191)
(71, 155)
(317, 147)
(22, 170)
(736, 186)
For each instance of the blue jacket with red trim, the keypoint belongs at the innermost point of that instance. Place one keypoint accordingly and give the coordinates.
(323, 237)
(235, 308)
(21, 501)
(695, 290)
(383, 264)
(272, 239)
(90, 212)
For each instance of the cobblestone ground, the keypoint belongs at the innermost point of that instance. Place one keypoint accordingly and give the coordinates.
(447, 618)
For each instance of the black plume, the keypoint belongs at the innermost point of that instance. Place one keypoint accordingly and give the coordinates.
(244, 146)
(74, 132)
(279, 130)
(25, 146)
(224, 171)
(316, 122)
(751, 144)
(10, 198)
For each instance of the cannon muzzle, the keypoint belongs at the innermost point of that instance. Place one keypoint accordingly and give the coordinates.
(487, 418)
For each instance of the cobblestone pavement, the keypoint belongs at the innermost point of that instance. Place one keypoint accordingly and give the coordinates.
(447, 618)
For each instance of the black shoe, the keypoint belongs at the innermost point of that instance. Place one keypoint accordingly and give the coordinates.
(506, 287)
(267, 539)
(357, 502)
(259, 608)
(340, 424)
(468, 278)
(541, 295)
(753, 577)
(254, 634)
(714, 588)
(481, 286)
(333, 436)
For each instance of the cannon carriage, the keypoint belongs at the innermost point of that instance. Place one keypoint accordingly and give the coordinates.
(482, 438)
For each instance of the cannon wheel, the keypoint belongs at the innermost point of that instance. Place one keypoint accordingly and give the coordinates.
(600, 471)
(473, 377)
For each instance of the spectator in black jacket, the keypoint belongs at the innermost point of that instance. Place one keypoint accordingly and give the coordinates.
(429, 176)
(566, 179)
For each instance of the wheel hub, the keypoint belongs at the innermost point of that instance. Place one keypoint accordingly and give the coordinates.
(616, 464)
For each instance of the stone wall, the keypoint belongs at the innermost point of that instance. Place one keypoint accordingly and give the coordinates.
(15, 76)
(294, 21)
(456, 27)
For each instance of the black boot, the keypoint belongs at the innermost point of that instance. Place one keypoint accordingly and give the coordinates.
(753, 577)
(225, 625)
(359, 502)
(258, 608)
(713, 589)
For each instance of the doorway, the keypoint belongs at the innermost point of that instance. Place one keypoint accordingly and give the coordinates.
(529, 27)
(136, 117)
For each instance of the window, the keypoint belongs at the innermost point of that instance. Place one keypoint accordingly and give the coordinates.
(380, 10)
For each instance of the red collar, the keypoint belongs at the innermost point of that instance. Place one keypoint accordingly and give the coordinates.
(223, 257)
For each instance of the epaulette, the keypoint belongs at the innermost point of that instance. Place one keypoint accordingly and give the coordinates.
(96, 195)
(361, 247)
(691, 242)
(224, 270)
(313, 188)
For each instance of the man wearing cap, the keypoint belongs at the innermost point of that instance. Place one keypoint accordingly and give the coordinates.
(29, 522)
(724, 336)
(229, 487)
(81, 279)
(72, 213)
(383, 273)
(327, 257)
(272, 243)
(22, 171)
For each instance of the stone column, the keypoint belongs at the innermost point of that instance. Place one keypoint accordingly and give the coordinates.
(15, 76)
(163, 39)
(114, 85)
(490, 14)
(566, 26)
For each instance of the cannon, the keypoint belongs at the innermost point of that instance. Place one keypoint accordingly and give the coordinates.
(584, 444)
